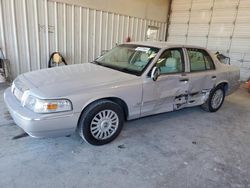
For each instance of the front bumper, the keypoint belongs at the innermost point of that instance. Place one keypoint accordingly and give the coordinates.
(40, 125)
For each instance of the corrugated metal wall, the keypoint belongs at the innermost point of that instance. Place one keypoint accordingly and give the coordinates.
(220, 25)
(30, 30)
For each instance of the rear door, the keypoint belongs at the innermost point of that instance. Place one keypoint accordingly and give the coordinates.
(201, 75)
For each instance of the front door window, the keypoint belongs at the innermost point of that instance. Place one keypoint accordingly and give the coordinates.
(171, 61)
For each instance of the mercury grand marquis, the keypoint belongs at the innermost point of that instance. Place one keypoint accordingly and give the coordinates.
(130, 81)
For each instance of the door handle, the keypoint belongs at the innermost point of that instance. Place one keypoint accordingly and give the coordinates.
(184, 80)
(213, 77)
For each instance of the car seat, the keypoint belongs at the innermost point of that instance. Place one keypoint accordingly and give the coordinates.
(170, 66)
(143, 60)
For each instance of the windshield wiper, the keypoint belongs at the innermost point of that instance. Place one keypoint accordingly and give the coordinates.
(126, 70)
(129, 71)
(101, 64)
(96, 62)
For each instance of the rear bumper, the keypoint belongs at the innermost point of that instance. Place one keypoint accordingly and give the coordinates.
(40, 125)
(233, 87)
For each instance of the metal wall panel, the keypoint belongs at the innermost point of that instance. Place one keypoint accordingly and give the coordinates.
(199, 41)
(244, 3)
(30, 30)
(224, 15)
(224, 4)
(179, 17)
(200, 17)
(221, 30)
(182, 5)
(194, 32)
(178, 29)
(202, 4)
(176, 39)
(218, 44)
(220, 25)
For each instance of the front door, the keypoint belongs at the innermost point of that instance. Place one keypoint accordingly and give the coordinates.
(170, 90)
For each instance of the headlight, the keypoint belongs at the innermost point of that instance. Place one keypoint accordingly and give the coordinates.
(48, 105)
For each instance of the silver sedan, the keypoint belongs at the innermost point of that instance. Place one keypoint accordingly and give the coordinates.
(132, 80)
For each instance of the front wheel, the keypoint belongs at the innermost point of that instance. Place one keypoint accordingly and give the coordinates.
(101, 122)
(215, 99)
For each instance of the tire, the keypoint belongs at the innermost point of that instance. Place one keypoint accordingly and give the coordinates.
(209, 105)
(101, 122)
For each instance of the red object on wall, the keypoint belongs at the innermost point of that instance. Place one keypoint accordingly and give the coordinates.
(248, 85)
(128, 39)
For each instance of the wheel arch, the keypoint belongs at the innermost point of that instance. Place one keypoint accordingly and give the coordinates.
(224, 84)
(116, 100)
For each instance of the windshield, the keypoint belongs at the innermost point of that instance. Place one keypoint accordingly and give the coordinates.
(128, 58)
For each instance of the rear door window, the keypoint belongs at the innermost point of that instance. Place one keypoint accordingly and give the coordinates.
(199, 60)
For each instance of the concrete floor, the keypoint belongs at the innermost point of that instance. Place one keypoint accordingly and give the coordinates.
(187, 148)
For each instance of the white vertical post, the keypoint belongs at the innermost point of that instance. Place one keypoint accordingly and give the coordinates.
(2, 30)
(37, 36)
(136, 29)
(73, 34)
(132, 29)
(13, 15)
(100, 34)
(64, 29)
(165, 30)
(159, 30)
(122, 37)
(140, 30)
(117, 29)
(144, 30)
(80, 35)
(112, 30)
(87, 36)
(127, 30)
(26, 35)
(106, 31)
(46, 29)
(94, 31)
(56, 26)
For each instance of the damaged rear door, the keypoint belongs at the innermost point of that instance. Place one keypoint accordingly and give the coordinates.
(201, 75)
(170, 90)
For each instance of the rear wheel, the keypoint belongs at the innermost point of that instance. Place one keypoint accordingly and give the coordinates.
(101, 122)
(215, 99)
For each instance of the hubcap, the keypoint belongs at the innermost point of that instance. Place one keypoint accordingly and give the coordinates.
(217, 99)
(104, 124)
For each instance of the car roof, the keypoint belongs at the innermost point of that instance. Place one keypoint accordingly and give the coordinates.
(161, 44)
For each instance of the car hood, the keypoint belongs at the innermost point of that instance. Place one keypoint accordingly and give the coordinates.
(62, 81)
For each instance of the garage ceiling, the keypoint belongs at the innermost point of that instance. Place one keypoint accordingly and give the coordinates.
(220, 25)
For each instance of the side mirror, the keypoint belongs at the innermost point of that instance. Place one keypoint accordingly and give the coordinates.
(155, 73)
